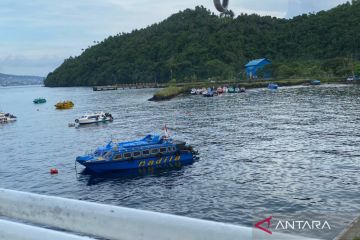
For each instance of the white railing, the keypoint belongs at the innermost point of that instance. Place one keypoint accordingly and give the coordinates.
(16, 231)
(109, 222)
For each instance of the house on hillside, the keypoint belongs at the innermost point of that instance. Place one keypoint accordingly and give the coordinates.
(255, 66)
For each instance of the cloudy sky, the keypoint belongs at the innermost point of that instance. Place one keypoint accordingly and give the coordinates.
(36, 35)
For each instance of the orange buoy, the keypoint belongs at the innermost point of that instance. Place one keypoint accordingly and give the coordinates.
(54, 171)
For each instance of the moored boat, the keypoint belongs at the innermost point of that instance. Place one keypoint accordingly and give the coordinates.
(231, 90)
(315, 82)
(64, 105)
(150, 151)
(193, 91)
(242, 90)
(39, 100)
(208, 93)
(7, 117)
(94, 118)
(199, 91)
(273, 86)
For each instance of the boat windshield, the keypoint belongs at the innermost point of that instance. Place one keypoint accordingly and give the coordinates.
(107, 154)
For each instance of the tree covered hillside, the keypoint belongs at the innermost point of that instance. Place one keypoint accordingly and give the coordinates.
(197, 44)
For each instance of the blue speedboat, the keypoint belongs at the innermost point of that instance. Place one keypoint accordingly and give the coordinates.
(208, 93)
(273, 86)
(150, 151)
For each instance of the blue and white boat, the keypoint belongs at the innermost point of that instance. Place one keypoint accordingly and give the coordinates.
(151, 151)
(315, 82)
(208, 93)
(273, 86)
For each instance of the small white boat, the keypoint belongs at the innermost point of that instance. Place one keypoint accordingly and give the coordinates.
(94, 118)
(7, 117)
(198, 91)
(193, 91)
(203, 91)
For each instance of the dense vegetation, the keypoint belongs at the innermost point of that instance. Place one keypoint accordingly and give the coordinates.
(195, 45)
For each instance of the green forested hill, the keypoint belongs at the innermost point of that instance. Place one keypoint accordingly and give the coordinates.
(196, 44)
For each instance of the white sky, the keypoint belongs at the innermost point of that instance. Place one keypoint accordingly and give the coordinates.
(37, 35)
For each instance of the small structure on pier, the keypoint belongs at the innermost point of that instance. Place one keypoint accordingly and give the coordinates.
(104, 88)
(254, 67)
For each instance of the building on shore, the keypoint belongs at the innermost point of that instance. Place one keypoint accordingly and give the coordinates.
(254, 69)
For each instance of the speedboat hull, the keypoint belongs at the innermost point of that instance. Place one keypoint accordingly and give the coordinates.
(91, 121)
(101, 166)
(315, 82)
(94, 118)
(39, 101)
(273, 86)
(7, 117)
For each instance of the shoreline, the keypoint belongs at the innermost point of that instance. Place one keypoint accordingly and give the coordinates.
(166, 94)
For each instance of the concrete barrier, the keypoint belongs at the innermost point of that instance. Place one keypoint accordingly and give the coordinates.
(118, 223)
(351, 232)
(18, 231)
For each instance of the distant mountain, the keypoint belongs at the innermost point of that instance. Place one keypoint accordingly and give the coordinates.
(17, 80)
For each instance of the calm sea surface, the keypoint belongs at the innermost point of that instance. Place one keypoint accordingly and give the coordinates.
(291, 152)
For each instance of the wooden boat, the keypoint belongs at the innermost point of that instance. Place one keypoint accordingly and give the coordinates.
(39, 100)
(64, 105)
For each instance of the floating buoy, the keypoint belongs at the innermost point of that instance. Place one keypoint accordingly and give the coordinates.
(54, 171)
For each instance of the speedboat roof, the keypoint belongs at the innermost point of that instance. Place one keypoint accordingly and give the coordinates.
(148, 140)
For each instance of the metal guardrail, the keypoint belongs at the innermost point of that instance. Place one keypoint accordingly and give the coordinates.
(109, 222)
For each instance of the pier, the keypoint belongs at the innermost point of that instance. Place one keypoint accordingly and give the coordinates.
(104, 88)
